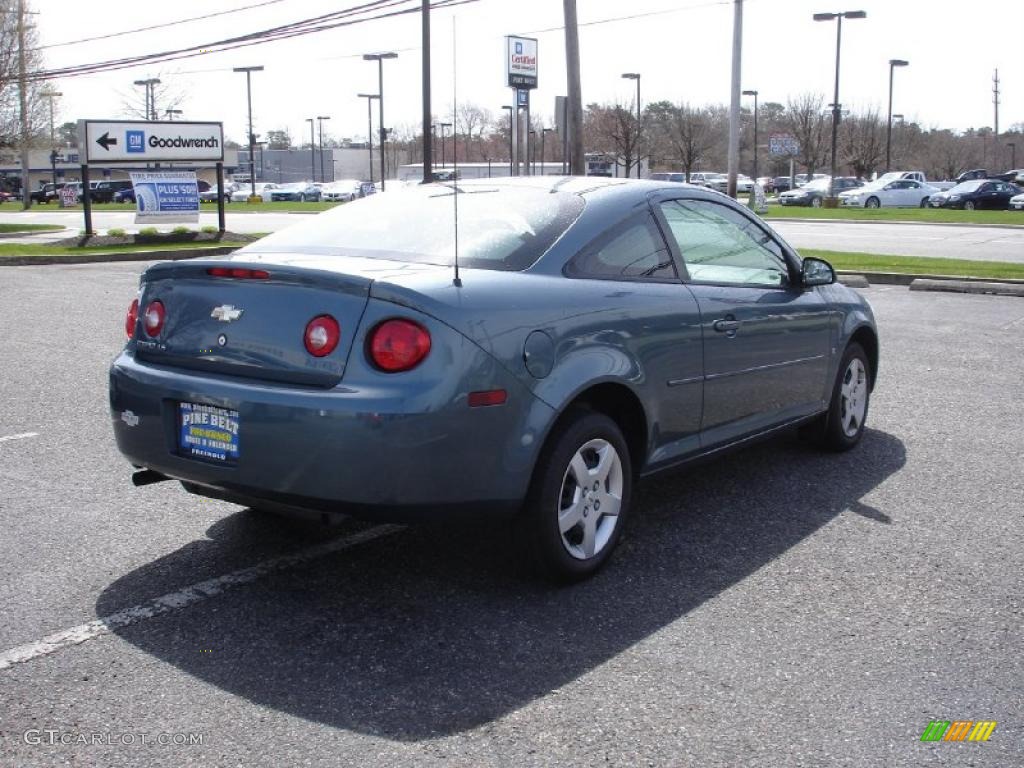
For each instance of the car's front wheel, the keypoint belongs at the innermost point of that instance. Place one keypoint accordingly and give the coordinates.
(924, 202)
(579, 497)
(969, 205)
(844, 423)
(816, 202)
(873, 202)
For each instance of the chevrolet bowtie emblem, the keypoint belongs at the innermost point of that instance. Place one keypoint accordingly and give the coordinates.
(226, 313)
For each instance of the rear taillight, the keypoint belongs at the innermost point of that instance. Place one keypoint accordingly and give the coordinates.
(131, 318)
(398, 345)
(240, 273)
(153, 318)
(322, 335)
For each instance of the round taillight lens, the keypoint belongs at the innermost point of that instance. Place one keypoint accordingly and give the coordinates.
(131, 318)
(399, 345)
(153, 318)
(322, 335)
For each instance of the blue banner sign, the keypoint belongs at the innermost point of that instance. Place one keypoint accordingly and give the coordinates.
(166, 196)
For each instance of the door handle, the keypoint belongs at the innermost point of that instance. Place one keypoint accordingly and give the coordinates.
(727, 325)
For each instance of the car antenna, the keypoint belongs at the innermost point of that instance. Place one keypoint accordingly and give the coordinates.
(457, 282)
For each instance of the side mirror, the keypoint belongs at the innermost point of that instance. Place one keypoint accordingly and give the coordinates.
(817, 272)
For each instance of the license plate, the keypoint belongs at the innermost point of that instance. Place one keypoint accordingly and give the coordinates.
(208, 432)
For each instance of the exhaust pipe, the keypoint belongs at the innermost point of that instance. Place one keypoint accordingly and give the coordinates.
(147, 477)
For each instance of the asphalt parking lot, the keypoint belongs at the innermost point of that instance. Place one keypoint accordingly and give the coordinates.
(778, 607)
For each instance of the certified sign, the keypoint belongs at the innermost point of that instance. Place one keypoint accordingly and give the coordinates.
(521, 62)
(120, 141)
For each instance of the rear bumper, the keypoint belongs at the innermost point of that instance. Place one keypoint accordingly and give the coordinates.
(372, 451)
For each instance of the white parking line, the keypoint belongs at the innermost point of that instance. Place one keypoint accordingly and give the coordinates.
(21, 436)
(175, 601)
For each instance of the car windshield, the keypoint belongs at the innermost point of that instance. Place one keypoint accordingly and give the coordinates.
(967, 186)
(500, 227)
(819, 185)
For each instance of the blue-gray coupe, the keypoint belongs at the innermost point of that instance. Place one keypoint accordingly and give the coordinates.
(593, 332)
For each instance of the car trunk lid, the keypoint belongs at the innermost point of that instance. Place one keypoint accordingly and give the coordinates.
(248, 318)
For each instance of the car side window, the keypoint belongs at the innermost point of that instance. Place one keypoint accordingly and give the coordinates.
(631, 250)
(719, 245)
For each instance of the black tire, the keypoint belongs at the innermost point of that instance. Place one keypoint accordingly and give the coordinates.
(924, 202)
(539, 530)
(816, 202)
(969, 205)
(873, 202)
(832, 435)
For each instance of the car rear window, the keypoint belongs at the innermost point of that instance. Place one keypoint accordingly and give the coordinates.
(500, 227)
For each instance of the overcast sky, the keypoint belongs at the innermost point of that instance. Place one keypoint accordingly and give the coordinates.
(680, 47)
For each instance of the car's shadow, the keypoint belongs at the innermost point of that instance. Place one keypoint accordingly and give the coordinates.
(433, 630)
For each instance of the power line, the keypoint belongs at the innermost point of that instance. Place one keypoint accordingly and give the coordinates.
(294, 29)
(160, 26)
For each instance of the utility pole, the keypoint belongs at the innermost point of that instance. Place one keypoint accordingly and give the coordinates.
(252, 136)
(26, 201)
(574, 126)
(734, 107)
(995, 133)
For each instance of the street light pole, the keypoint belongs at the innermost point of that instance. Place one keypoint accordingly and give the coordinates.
(379, 58)
(836, 107)
(443, 126)
(252, 137)
(629, 76)
(893, 63)
(369, 125)
(754, 94)
(511, 116)
(320, 123)
(171, 113)
(312, 148)
(544, 132)
(51, 95)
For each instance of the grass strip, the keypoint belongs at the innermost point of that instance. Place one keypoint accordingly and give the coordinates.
(873, 262)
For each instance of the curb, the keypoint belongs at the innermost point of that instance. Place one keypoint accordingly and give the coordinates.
(96, 258)
(906, 278)
(770, 219)
(963, 286)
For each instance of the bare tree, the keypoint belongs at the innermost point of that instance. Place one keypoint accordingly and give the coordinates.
(806, 120)
(862, 142)
(37, 107)
(614, 130)
(472, 122)
(681, 134)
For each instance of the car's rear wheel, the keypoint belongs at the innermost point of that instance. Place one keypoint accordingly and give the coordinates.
(843, 425)
(302, 198)
(969, 205)
(579, 497)
(873, 202)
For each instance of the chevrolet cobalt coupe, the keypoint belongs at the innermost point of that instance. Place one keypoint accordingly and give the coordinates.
(596, 331)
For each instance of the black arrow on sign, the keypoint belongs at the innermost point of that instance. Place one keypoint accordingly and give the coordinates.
(105, 141)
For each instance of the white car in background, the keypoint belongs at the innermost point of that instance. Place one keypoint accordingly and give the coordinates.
(901, 193)
(1017, 203)
(341, 191)
(720, 183)
(263, 188)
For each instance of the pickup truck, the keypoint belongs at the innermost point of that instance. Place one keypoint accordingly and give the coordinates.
(46, 194)
(917, 176)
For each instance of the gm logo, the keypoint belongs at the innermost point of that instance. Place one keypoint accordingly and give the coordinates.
(519, 48)
(136, 141)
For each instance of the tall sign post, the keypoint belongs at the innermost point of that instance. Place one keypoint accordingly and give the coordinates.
(784, 145)
(140, 142)
(521, 76)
